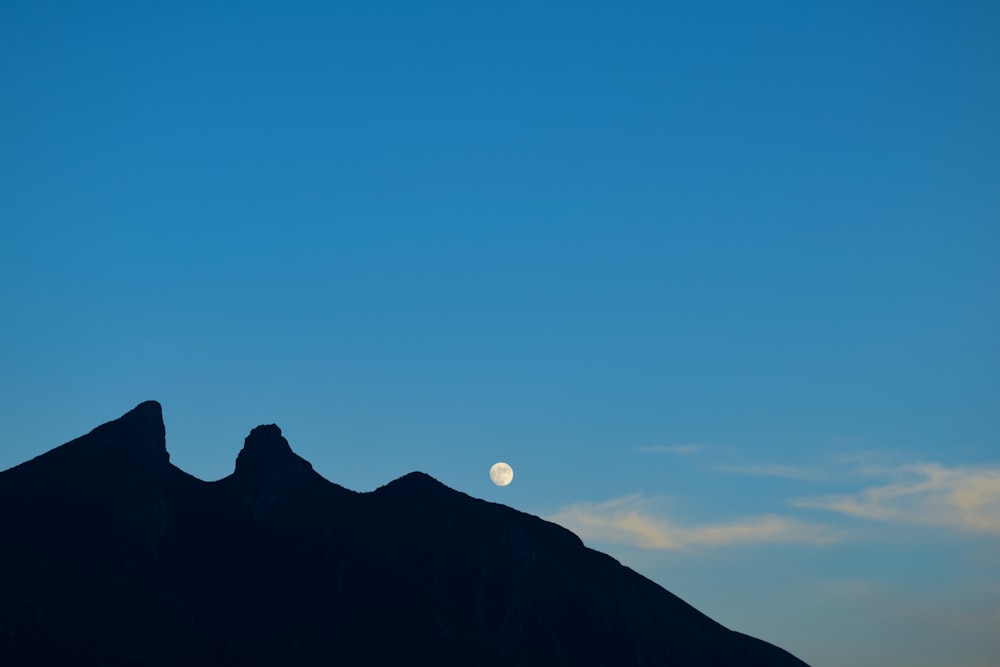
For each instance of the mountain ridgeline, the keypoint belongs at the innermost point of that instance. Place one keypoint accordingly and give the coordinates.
(110, 555)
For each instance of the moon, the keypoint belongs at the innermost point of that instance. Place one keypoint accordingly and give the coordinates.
(501, 474)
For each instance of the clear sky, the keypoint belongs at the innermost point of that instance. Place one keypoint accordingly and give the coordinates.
(719, 280)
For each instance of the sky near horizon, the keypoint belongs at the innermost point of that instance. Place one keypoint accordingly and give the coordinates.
(718, 279)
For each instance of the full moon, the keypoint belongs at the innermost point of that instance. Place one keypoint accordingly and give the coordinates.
(501, 474)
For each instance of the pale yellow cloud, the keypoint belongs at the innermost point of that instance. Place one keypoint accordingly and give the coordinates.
(628, 521)
(962, 498)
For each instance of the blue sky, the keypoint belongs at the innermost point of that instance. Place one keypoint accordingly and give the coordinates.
(719, 280)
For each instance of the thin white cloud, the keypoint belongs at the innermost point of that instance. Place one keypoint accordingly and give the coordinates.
(627, 521)
(961, 498)
(774, 470)
(683, 450)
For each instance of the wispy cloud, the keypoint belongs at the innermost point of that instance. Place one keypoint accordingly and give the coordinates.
(773, 470)
(683, 450)
(961, 498)
(628, 521)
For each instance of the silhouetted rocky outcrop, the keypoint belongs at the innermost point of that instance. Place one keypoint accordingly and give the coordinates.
(110, 555)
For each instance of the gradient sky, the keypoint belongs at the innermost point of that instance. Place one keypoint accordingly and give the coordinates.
(719, 280)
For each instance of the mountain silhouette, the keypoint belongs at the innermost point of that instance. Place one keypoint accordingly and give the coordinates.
(111, 555)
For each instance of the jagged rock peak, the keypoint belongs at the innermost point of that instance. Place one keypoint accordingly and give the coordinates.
(149, 410)
(266, 454)
(140, 431)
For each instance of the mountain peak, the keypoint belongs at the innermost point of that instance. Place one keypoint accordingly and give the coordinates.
(139, 432)
(148, 408)
(267, 460)
(265, 443)
(417, 477)
(415, 481)
(134, 442)
(417, 486)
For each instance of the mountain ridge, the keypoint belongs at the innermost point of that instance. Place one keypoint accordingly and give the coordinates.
(113, 555)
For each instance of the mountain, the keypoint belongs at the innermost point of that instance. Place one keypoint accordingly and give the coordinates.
(111, 555)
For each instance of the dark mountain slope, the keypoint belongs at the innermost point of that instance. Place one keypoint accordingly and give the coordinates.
(110, 555)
